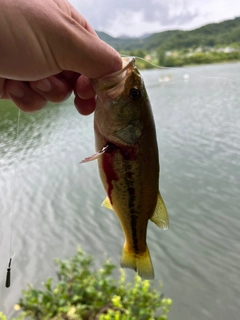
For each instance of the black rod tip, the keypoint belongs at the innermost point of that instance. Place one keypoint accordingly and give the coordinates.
(8, 278)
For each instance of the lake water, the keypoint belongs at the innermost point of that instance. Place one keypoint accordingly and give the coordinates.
(57, 200)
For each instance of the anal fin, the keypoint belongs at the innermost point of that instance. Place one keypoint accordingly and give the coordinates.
(160, 215)
(106, 203)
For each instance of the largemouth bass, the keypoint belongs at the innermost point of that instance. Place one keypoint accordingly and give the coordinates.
(128, 162)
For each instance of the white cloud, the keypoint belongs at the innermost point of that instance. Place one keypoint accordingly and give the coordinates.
(137, 17)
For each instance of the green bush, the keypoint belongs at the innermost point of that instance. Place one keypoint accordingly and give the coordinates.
(81, 293)
(2, 316)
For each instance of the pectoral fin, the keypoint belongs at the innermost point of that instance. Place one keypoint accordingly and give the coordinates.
(106, 203)
(160, 215)
(95, 155)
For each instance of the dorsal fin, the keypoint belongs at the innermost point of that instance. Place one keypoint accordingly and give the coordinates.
(160, 215)
(106, 203)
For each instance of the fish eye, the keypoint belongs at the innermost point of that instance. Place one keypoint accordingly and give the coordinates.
(135, 94)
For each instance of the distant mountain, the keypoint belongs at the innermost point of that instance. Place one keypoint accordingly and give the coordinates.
(215, 34)
(126, 37)
(120, 43)
(145, 35)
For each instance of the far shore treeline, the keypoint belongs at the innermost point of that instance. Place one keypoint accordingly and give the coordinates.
(215, 42)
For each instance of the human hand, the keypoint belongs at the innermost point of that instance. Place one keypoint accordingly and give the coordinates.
(47, 49)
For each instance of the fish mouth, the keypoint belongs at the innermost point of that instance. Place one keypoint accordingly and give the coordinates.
(112, 85)
(126, 61)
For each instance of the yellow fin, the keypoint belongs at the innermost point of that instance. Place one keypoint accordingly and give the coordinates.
(142, 264)
(106, 203)
(160, 215)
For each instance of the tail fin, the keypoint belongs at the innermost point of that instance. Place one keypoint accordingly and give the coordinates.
(142, 264)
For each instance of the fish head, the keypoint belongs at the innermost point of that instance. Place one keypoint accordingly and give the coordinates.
(122, 104)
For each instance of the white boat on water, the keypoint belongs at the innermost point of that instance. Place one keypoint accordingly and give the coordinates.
(164, 78)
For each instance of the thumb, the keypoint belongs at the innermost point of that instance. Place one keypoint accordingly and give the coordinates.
(82, 51)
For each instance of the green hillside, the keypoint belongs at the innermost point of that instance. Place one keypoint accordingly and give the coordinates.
(215, 34)
(211, 43)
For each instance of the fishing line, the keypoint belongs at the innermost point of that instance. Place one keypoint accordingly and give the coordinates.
(8, 276)
(178, 68)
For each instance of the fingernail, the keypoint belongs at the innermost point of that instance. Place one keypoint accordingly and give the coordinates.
(16, 91)
(44, 85)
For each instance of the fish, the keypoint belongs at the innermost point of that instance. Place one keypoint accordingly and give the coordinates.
(128, 161)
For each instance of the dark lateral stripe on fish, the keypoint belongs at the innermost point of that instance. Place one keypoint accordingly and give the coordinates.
(132, 207)
(134, 219)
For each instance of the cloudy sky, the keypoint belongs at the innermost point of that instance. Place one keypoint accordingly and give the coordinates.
(138, 17)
